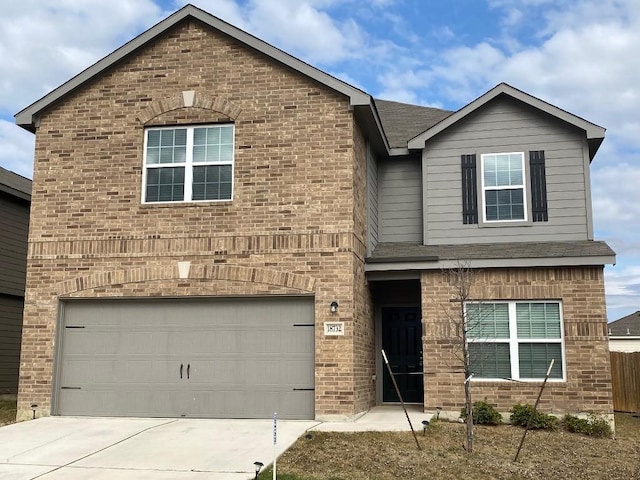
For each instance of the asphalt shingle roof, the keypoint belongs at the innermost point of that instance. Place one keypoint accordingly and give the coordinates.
(630, 323)
(401, 121)
(390, 252)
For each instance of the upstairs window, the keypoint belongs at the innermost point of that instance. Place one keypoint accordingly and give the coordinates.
(188, 164)
(501, 192)
(503, 187)
(515, 340)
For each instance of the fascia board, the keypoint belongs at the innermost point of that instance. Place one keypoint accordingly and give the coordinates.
(492, 263)
(15, 193)
(26, 118)
(398, 152)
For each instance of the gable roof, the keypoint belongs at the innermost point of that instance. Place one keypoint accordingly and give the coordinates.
(595, 133)
(402, 121)
(15, 185)
(27, 118)
(630, 324)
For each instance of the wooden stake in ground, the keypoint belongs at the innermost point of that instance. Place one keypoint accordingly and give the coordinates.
(533, 413)
(395, 385)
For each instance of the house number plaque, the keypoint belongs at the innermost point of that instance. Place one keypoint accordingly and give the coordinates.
(334, 328)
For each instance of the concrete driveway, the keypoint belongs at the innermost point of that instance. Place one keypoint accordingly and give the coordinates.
(71, 448)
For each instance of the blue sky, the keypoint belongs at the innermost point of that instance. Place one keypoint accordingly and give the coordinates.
(581, 55)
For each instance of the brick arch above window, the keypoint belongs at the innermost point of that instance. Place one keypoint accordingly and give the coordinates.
(218, 108)
(170, 271)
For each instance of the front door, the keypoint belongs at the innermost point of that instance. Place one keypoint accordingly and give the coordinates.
(402, 342)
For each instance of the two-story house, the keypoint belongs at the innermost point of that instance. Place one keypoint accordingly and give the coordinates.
(219, 229)
(15, 196)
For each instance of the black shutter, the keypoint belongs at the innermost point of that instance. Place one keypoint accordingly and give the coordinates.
(538, 186)
(469, 190)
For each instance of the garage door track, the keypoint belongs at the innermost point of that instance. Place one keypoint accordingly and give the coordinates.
(74, 448)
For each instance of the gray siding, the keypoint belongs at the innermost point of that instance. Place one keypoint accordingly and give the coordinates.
(372, 200)
(400, 200)
(14, 228)
(506, 125)
(10, 334)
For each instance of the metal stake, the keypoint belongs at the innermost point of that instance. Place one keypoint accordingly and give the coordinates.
(546, 377)
(395, 385)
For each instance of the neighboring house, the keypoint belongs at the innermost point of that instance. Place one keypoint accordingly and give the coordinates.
(15, 196)
(624, 334)
(221, 230)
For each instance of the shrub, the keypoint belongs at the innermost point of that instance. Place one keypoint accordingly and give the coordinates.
(593, 425)
(523, 415)
(483, 414)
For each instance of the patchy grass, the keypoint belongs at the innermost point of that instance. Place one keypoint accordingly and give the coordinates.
(7, 412)
(393, 455)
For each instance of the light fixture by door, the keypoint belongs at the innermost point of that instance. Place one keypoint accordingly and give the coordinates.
(334, 307)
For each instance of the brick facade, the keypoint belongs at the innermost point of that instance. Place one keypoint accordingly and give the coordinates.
(294, 225)
(581, 291)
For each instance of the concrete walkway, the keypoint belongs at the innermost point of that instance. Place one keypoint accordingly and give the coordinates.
(74, 448)
(387, 418)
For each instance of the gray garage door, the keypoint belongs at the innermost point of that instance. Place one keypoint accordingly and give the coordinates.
(214, 358)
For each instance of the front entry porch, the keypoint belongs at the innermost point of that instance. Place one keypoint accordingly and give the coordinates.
(399, 333)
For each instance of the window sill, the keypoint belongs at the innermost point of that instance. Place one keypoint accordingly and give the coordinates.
(507, 223)
(503, 381)
(204, 203)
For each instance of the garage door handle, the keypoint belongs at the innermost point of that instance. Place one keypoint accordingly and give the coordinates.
(181, 367)
(188, 370)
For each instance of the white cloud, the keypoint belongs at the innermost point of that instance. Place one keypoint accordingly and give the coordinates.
(616, 201)
(303, 29)
(623, 290)
(16, 148)
(42, 44)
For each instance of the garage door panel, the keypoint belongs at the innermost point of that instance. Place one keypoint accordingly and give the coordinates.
(143, 341)
(81, 372)
(207, 339)
(85, 402)
(91, 341)
(299, 342)
(262, 340)
(245, 358)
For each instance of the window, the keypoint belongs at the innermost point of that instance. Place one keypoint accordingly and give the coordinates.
(504, 195)
(515, 340)
(503, 187)
(188, 164)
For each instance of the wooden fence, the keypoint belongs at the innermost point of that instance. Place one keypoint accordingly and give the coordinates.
(625, 379)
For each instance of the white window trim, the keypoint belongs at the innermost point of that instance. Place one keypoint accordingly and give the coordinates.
(511, 187)
(514, 342)
(188, 164)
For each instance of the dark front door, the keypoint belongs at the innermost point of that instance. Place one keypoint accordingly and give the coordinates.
(402, 342)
